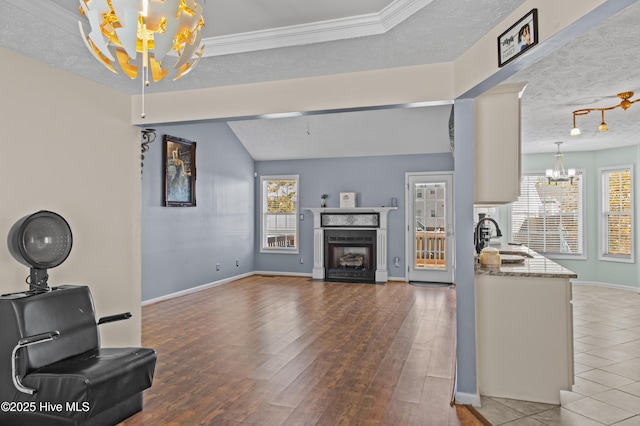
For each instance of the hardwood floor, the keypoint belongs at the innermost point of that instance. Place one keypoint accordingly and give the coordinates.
(272, 350)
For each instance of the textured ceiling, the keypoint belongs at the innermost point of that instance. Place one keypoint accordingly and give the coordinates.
(598, 65)
(586, 73)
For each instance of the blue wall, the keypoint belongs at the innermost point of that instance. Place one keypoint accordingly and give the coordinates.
(374, 179)
(181, 245)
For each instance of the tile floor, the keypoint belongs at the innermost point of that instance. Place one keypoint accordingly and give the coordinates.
(606, 325)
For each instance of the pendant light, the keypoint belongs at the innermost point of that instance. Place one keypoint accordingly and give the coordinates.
(558, 173)
(140, 34)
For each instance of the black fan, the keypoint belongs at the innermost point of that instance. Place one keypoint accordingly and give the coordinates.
(41, 241)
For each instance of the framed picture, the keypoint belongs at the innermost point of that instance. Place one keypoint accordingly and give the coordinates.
(519, 38)
(179, 156)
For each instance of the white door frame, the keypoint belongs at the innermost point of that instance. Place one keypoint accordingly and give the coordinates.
(409, 219)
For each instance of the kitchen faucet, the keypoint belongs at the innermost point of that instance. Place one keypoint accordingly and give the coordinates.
(482, 235)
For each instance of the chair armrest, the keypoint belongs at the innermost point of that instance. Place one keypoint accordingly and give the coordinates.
(23, 343)
(112, 318)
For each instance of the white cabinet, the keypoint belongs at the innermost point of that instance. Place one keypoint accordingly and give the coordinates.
(524, 330)
(497, 144)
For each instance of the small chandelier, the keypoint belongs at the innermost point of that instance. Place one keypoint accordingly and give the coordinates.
(558, 173)
(122, 29)
(624, 104)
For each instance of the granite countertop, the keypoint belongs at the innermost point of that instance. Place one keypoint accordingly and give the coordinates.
(535, 265)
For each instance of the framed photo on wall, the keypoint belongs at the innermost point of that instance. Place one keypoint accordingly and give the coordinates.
(179, 156)
(519, 38)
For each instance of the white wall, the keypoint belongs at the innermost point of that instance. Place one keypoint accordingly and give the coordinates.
(68, 146)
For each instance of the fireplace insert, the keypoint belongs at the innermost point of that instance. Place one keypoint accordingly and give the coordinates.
(350, 255)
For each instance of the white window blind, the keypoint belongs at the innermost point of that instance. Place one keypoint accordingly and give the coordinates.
(616, 229)
(280, 213)
(548, 218)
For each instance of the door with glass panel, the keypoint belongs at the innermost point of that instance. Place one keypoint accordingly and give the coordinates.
(430, 227)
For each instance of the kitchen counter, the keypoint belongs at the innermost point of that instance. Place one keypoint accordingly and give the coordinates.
(535, 265)
(524, 328)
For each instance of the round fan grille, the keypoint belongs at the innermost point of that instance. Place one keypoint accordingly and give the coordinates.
(41, 240)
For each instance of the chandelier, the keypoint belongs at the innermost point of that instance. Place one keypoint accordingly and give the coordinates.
(624, 104)
(139, 34)
(558, 173)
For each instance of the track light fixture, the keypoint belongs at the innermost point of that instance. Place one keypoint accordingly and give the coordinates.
(603, 127)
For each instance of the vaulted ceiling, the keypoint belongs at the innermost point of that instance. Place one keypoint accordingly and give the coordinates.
(262, 40)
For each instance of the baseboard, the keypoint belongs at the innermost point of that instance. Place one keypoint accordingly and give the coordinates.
(608, 285)
(397, 279)
(464, 398)
(282, 274)
(196, 289)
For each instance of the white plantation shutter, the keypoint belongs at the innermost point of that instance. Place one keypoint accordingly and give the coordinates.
(616, 229)
(548, 218)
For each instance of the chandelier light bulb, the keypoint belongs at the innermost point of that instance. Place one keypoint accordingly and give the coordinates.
(603, 126)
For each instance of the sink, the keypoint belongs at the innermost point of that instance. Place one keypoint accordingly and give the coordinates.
(516, 253)
(513, 257)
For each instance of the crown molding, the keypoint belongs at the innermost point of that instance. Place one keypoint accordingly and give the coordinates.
(315, 32)
(296, 35)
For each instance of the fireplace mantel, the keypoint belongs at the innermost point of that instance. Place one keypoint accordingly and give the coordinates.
(381, 238)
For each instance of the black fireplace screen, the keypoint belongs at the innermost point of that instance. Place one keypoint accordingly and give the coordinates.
(350, 255)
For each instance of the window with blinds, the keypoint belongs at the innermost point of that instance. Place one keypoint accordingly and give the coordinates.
(279, 214)
(616, 225)
(549, 218)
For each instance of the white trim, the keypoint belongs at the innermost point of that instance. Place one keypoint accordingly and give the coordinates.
(283, 274)
(607, 285)
(195, 289)
(464, 398)
(602, 256)
(410, 241)
(315, 32)
(263, 195)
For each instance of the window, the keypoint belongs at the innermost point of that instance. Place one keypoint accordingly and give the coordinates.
(616, 208)
(548, 218)
(279, 214)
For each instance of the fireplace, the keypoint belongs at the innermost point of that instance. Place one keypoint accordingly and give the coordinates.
(357, 251)
(350, 255)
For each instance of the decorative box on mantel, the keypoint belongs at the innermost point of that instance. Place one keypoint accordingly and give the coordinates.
(356, 219)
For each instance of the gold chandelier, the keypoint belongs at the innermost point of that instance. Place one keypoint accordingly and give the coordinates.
(123, 29)
(624, 104)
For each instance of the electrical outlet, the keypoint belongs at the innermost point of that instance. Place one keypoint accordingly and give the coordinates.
(237, 262)
(217, 266)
